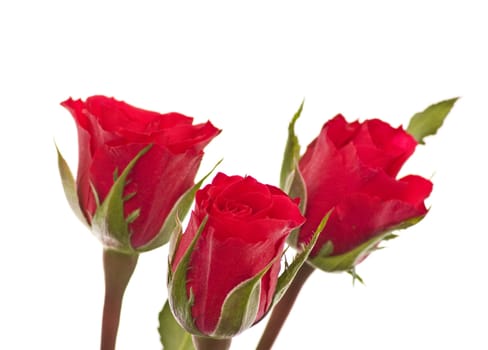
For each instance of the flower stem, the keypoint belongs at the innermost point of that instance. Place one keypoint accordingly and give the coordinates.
(202, 343)
(118, 269)
(282, 309)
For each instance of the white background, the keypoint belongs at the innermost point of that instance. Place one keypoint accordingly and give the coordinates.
(246, 66)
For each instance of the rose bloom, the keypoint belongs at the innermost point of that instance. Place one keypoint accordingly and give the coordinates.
(248, 223)
(111, 133)
(352, 169)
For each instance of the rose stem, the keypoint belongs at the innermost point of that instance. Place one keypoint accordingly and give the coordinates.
(282, 309)
(118, 269)
(202, 343)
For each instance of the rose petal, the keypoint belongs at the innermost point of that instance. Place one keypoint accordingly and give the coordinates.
(360, 217)
(84, 129)
(182, 137)
(339, 131)
(219, 265)
(380, 146)
(119, 117)
(351, 168)
(245, 231)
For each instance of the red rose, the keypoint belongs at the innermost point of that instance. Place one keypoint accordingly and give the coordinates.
(352, 168)
(110, 134)
(247, 227)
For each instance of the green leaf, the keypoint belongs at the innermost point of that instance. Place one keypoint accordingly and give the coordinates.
(241, 306)
(173, 336)
(347, 261)
(109, 223)
(289, 274)
(292, 152)
(427, 123)
(69, 186)
(179, 211)
(179, 301)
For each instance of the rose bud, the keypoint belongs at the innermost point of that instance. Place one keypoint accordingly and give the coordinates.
(224, 269)
(134, 167)
(351, 169)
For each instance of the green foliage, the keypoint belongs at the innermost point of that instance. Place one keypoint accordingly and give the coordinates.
(69, 186)
(173, 336)
(109, 223)
(427, 122)
(179, 300)
(240, 306)
(291, 179)
(355, 276)
(297, 190)
(292, 152)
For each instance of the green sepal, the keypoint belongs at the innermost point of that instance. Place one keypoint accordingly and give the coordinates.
(179, 301)
(347, 261)
(241, 306)
(172, 335)
(289, 274)
(177, 213)
(109, 223)
(355, 276)
(427, 122)
(297, 190)
(291, 179)
(95, 194)
(175, 240)
(69, 186)
(292, 152)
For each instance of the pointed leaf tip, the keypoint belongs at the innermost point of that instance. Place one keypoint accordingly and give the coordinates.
(69, 187)
(172, 335)
(427, 122)
(292, 150)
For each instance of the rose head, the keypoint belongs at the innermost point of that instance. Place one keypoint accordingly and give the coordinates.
(162, 153)
(246, 227)
(352, 168)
